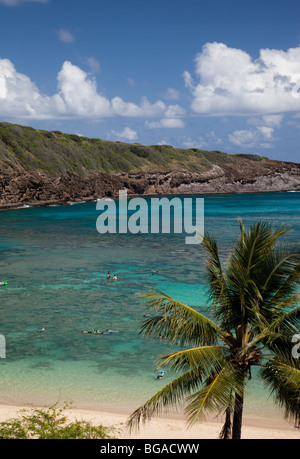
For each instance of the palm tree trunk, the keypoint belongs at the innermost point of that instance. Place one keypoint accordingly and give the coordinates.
(225, 433)
(237, 417)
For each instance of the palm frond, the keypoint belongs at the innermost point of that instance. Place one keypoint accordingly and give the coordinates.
(282, 263)
(218, 292)
(176, 322)
(265, 338)
(216, 395)
(210, 359)
(251, 250)
(274, 335)
(288, 322)
(169, 395)
(282, 375)
(260, 274)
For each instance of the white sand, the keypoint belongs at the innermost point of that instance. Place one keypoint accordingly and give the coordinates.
(170, 427)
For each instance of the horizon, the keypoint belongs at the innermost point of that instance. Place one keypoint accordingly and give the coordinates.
(188, 74)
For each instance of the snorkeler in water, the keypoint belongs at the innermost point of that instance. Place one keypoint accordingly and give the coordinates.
(160, 375)
(98, 332)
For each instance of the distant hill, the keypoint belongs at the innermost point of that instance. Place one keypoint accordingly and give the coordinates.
(58, 153)
(40, 167)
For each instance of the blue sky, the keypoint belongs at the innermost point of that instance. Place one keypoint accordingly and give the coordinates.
(217, 75)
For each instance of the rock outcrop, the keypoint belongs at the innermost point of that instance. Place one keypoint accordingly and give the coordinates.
(43, 168)
(18, 188)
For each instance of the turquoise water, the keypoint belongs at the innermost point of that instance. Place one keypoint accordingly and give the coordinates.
(56, 262)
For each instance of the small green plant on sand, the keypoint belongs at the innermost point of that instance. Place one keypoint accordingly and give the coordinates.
(51, 423)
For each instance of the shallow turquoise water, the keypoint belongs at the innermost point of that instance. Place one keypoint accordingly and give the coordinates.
(55, 263)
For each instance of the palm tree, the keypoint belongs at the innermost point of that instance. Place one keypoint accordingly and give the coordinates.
(253, 316)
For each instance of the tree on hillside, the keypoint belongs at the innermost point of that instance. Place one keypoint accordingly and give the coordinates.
(253, 300)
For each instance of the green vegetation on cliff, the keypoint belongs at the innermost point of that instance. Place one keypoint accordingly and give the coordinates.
(56, 153)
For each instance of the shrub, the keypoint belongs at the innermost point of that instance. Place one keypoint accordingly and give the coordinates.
(51, 423)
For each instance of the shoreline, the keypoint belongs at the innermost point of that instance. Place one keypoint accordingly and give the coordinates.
(167, 426)
(56, 203)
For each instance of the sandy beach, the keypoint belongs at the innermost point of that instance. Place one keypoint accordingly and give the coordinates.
(170, 427)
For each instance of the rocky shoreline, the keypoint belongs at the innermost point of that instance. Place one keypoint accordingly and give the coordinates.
(19, 188)
(42, 168)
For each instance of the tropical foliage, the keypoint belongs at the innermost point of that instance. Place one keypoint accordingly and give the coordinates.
(254, 313)
(51, 423)
(58, 153)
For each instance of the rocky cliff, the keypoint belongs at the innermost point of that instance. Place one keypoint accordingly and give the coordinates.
(38, 168)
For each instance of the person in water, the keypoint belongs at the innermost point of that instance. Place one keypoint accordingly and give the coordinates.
(115, 277)
(93, 332)
(160, 375)
(108, 275)
(98, 332)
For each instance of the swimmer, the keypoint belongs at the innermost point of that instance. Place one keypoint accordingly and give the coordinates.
(115, 277)
(108, 332)
(98, 332)
(41, 330)
(160, 375)
(108, 275)
(92, 332)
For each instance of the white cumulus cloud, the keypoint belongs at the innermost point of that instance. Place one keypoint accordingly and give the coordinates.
(77, 96)
(230, 82)
(165, 123)
(171, 119)
(19, 2)
(127, 133)
(249, 138)
(266, 120)
(20, 97)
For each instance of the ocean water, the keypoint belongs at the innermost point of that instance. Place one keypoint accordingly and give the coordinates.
(56, 262)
